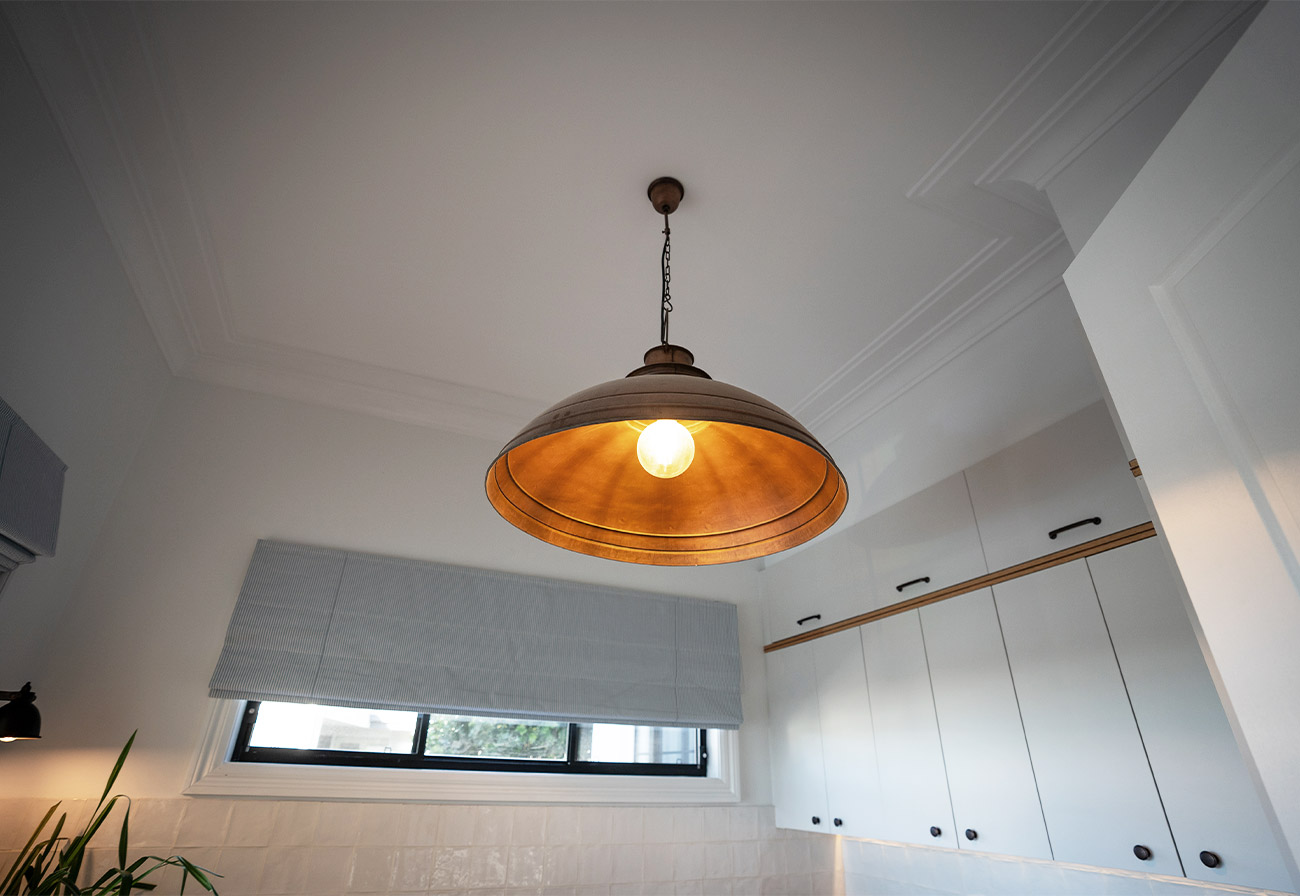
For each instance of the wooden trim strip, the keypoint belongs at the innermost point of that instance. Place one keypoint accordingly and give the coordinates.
(1134, 468)
(1087, 549)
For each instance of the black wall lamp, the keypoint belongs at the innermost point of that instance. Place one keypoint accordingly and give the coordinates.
(19, 718)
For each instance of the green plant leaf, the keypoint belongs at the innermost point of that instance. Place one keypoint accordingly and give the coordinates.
(118, 767)
(9, 884)
(200, 875)
(121, 838)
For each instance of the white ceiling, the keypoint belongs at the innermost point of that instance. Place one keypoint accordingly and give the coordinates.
(436, 212)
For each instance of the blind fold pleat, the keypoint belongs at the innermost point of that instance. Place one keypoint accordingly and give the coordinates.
(348, 629)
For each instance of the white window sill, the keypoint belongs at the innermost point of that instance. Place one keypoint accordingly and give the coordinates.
(215, 775)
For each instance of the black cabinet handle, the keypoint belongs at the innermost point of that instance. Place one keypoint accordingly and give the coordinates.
(1142, 852)
(1210, 859)
(816, 820)
(970, 834)
(838, 822)
(935, 832)
(1095, 520)
(808, 619)
(925, 579)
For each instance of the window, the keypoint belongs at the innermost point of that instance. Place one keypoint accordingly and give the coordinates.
(310, 734)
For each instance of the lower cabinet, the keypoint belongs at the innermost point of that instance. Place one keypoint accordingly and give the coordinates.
(1067, 715)
(1217, 820)
(848, 743)
(798, 773)
(1094, 782)
(913, 787)
(990, 778)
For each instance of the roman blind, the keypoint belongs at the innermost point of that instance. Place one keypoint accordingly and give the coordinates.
(316, 625)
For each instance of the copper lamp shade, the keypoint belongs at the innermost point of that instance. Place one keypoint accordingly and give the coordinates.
(759, 482)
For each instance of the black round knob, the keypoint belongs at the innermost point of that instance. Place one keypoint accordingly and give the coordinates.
(1142, 852)
(816, 820)
(935, 832)
(838, 822)
(1210, 859)
(970, 834)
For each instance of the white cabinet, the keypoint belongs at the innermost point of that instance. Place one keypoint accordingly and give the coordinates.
(1097, 794)
(990, 779)
(1072, 472)
(820, 584)
(848, 744)
(914, 790)
(1208, 795)
(798, 775)
(922, 544)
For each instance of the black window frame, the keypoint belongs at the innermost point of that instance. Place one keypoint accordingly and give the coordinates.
(571, 765)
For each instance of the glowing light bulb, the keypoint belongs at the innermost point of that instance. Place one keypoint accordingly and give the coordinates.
(665, 449)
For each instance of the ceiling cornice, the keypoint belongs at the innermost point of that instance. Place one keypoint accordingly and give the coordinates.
(992, 177)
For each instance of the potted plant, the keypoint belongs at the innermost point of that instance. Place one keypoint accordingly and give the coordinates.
(52, 865)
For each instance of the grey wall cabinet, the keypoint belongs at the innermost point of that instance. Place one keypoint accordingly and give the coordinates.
(31, 493)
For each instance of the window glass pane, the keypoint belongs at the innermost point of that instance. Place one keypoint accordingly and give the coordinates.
(305, 726)
(638, 743)
(496, 738)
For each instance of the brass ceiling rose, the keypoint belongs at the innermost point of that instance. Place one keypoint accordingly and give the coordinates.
(736, 478)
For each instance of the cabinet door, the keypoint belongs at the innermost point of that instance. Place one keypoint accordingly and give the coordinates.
(848, 744)
(1208, 795)
(1073, 471)
(798, 776)
(914, 791)
(922, 544)
(990, 779)
(1097, 794)
(816, 586)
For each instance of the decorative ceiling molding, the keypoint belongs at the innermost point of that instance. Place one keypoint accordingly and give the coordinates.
(992, 179)
(103, 79)
(1152, 51)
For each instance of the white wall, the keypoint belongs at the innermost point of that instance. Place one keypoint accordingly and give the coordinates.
(78, 361)
(219, 469)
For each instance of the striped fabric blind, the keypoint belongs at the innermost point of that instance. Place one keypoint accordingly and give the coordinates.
(317, 625)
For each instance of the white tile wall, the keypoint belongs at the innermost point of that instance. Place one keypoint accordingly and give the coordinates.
(300, 848)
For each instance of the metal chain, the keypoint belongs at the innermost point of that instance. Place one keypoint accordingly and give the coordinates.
(666, 267)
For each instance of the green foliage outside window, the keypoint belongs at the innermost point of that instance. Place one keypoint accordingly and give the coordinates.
(450, 736)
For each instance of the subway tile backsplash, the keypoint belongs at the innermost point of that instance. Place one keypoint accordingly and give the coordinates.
(304, 848)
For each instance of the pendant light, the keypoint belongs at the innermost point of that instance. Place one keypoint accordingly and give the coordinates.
(667, 466)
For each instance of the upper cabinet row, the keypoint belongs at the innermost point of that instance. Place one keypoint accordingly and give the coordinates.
(1010, 508)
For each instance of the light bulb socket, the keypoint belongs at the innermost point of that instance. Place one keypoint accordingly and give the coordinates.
(668, 358)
